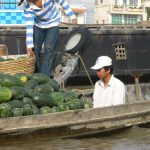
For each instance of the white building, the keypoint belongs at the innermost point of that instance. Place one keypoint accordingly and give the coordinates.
(147, 7)
(119, 11)
(80, 12)
(90, 9)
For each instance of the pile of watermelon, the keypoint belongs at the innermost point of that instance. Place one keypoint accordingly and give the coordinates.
(32, 94)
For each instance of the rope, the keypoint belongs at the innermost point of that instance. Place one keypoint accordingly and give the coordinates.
(81, 92)
(85, 70)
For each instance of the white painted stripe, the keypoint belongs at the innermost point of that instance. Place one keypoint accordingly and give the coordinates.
(30, 45)
(29, 39)
(29, 23)
(49, 25)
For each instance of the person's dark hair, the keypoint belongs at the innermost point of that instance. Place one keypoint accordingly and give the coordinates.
(20, 2)
(109, 67)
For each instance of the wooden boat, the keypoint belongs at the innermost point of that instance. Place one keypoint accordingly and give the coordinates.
(87, 122)
(78, 123)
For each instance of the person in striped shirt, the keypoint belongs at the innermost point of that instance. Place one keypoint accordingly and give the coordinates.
(42, 27)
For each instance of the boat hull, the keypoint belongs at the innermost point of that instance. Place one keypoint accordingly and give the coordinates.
(77, 123)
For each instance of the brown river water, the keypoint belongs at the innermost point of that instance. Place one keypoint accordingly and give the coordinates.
(134, 138)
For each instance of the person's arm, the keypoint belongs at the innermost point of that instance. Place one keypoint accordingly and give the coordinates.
(29, 31)
(119, 95)
(68, 11)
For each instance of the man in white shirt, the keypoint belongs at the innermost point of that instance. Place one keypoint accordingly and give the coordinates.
(108, 91)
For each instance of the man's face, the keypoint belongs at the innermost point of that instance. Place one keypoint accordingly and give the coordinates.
(102, 73)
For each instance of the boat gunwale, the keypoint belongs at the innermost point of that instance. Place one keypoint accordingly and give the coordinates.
(7, 124)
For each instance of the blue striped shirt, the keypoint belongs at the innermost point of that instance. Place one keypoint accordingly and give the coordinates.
(45, 17)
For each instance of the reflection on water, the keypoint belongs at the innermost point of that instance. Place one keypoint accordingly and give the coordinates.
(134, 138)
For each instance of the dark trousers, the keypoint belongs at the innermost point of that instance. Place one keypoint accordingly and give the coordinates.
(48, 37)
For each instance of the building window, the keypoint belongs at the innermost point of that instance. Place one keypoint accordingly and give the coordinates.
(125, 19)
(117, 19)
(133, 2)
(130, 19)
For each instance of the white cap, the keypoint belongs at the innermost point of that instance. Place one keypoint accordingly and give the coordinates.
(101, 62)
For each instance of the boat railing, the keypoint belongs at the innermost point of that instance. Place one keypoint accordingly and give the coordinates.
(69, 26)
(106, 26)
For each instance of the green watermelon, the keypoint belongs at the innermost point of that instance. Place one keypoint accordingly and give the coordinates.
(45, 110)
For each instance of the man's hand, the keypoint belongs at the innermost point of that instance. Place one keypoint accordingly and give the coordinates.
(30, 52)
(74, 21)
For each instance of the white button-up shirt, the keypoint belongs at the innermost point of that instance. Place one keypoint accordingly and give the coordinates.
(112, 94)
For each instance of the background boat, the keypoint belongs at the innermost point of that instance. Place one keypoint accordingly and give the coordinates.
(127, 45)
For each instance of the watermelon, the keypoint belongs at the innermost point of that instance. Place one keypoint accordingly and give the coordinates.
(17, 112)
(47, 89)
(45, 110)
(40, 78)
(58, 97)
(5, 94)
(5, 110)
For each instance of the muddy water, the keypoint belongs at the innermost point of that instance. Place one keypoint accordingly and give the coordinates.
(134, 138)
